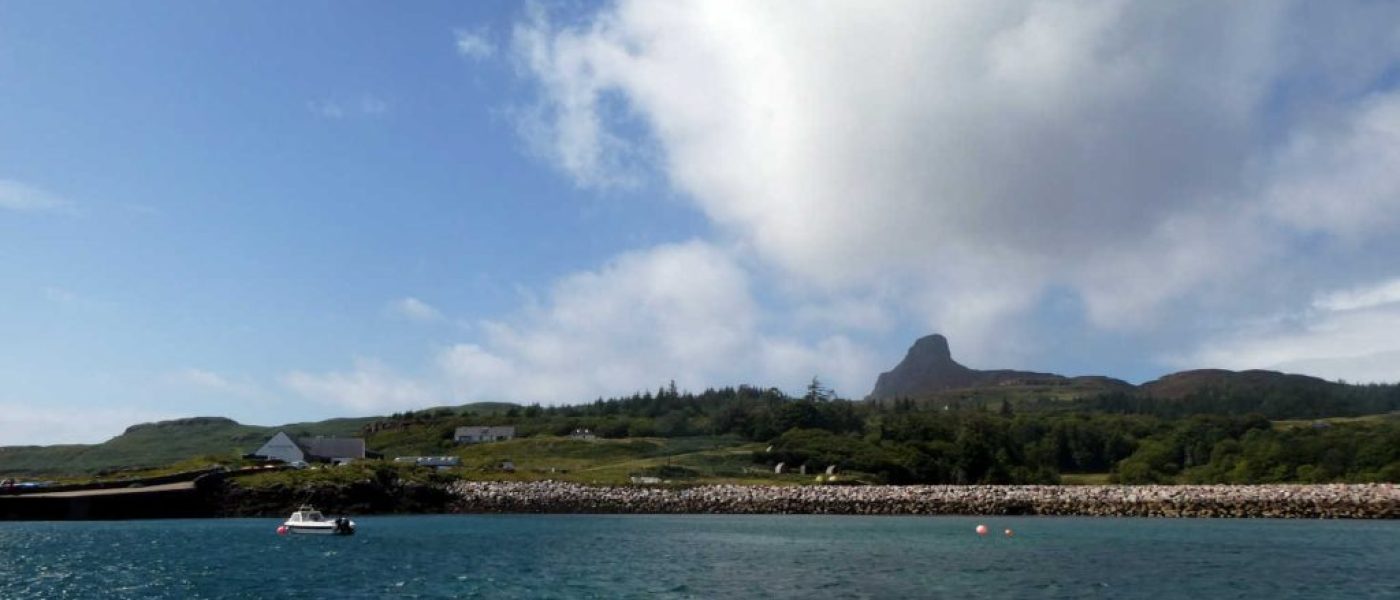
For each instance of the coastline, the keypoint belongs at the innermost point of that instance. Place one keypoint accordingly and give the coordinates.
(219, 497)
(1304, 501)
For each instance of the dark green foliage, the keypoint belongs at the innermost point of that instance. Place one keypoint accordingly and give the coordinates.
(1281, 399)
(1204, 434)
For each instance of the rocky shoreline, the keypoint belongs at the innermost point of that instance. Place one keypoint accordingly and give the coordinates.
(1329, 501)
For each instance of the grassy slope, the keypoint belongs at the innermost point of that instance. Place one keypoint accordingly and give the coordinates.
(702, 459)
(1296, 423)
(709, 459)
(168, 442)
(157, 444)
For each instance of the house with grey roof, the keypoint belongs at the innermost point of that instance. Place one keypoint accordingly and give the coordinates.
(440, 463)
(478, 434)
(314, 449)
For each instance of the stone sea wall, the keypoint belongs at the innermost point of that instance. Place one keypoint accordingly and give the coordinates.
(1332, 501)
(360, 498)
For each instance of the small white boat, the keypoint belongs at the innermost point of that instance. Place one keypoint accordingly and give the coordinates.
(309, 520)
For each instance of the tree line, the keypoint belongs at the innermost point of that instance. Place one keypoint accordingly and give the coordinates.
(1213, 437)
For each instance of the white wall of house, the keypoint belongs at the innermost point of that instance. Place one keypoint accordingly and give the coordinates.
(475, 435)
(281, 447)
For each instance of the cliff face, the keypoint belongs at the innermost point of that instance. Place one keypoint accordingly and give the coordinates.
(929, 368)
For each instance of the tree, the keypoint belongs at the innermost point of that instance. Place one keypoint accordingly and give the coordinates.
(818, 393)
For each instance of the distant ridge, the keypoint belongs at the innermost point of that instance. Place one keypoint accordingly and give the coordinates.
(929, 369)
(165, 442)
(928, 374)
(186, 422)
(1179, 385)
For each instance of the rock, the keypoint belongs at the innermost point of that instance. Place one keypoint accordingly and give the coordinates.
(929, 367)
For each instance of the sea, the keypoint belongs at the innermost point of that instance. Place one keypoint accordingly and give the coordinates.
(705, 556)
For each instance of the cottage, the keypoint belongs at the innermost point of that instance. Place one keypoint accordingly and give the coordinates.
(477, 435)
(440, 463)
(318, 449)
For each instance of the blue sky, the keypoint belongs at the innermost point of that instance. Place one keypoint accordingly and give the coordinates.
(288, 212)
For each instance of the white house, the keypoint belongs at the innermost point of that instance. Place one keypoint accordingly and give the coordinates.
(477, 435)
(436, 462)
(281, 447)
(318, 449)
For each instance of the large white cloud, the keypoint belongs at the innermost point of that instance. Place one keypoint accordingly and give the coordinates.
(683, 312)
(370, 388)
(679, 312)
(1348, 334)
(28, 423)
(1340, 175)
(414, 309)
(957, 159)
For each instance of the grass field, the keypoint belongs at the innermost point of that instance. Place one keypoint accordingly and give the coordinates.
(689, 460)
(1084, 478)
(1296, 423)
(611, 461)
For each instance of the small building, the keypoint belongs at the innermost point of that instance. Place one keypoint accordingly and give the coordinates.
(583, 433)
(317, 449)
(478, 434)
(435, 462)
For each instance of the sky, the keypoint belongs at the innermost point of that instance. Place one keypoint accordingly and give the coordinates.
(285, 212)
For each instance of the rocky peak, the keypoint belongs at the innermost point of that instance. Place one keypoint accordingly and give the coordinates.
(931, 349)
(929, 368)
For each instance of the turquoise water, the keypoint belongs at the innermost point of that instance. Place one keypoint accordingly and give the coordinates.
(576, 556)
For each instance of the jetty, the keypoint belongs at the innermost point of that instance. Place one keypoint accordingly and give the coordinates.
(179, 495)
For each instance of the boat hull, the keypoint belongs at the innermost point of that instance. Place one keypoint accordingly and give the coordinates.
(309, 521)
(313, 530)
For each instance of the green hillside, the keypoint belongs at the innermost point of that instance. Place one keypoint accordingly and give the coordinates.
(159, 444)
(1204, 426)
(167, 442)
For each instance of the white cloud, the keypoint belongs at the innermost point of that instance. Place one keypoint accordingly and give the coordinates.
(1386, 292)
(1340, 177)
(370, 105)
(957, 160)
(28, 424)
(199, 378)
(1350, 334)
(326, 109)
(863, 314)
(209, 382)
(59, 295)
(19, 197)
(371, 388)
(682, 312)
(949, 164)
(474, 44)
(365, 106)
(414, 309)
